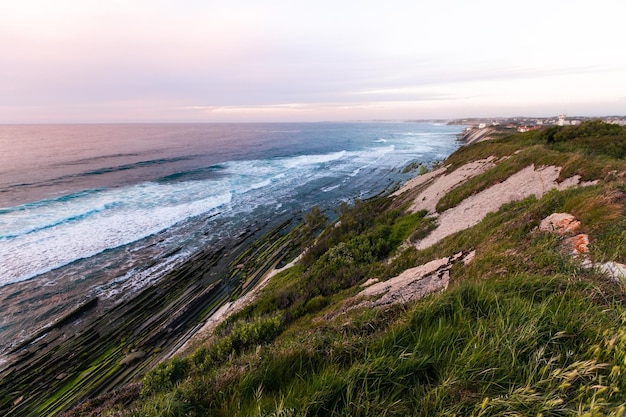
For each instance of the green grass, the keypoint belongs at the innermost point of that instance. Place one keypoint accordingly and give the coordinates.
(523, 329)
(595, 154)
(521, 344)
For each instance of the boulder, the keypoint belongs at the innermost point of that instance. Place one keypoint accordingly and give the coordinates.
(561, 223)
(578, 245)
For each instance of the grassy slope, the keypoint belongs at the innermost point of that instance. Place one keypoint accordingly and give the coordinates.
(522, 330)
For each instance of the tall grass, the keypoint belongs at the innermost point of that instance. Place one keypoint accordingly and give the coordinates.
(520, 345)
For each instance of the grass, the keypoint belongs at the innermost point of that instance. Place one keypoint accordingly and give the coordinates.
(516, 345)
(523, 329)
(592, 156)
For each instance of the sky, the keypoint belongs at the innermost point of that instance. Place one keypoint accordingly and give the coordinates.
(65, 61)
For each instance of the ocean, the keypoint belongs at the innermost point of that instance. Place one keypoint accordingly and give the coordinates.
(105, 210)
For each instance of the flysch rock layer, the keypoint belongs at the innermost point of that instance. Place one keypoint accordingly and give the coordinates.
(442, 183)
(230, 308)
(412, 284)
(529, 181)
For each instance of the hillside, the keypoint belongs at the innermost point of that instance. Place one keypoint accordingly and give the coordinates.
(492, 284)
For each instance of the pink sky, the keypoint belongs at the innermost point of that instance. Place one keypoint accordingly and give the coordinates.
(186, 61)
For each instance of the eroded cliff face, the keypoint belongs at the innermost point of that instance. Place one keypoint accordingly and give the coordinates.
(475, 134)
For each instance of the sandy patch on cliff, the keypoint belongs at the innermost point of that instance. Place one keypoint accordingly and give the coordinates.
(441, 183)
(529, 181)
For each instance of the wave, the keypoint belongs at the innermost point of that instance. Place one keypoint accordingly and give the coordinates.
(48, 201)
(91, 160)
(307, 160)
(40, 236)
(425, 134)
(135, 212)
(194, 174)
(64, 180)
(126, 167)
(63, 220)
(40, 215)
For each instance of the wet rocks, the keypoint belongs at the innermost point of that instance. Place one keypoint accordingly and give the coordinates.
(132, 357)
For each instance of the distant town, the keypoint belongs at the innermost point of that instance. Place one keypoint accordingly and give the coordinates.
(525, 124)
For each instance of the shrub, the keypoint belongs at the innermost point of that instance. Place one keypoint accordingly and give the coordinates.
(245, 334)
(592, 138)
(165, 376)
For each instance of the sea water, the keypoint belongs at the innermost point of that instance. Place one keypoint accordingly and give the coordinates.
(104, 210)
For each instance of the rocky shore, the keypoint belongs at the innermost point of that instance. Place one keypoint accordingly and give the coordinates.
(91, 351)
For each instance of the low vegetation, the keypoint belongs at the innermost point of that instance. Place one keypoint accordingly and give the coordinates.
(524, 329)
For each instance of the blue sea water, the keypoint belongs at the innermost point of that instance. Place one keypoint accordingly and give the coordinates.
(104, 210)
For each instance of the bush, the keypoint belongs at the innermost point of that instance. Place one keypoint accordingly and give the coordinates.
(593, 138)
(165, 376)
(244, 334)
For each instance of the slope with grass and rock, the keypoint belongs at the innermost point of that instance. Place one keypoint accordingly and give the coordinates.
(468, 291)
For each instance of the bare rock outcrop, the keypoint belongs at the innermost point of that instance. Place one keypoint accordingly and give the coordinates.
(566, 224)
(561, 223)
(525, 183)
(578, 245)
(477, 134)
(412, 284)
(442, 183)
(614, 270)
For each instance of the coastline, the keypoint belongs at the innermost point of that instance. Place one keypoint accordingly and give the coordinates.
(96, 348)
(228, 309)
(111, 348)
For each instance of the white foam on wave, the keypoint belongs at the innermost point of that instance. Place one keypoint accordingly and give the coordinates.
(416, 148)
(50, 234)
(356, 172)
(330, 188)
(142, 211)
(368, 158)
(31, 218)
(426, 134)
(307, 160)
(132, 281)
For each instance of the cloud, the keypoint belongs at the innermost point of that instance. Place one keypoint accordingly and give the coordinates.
(72, 60)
